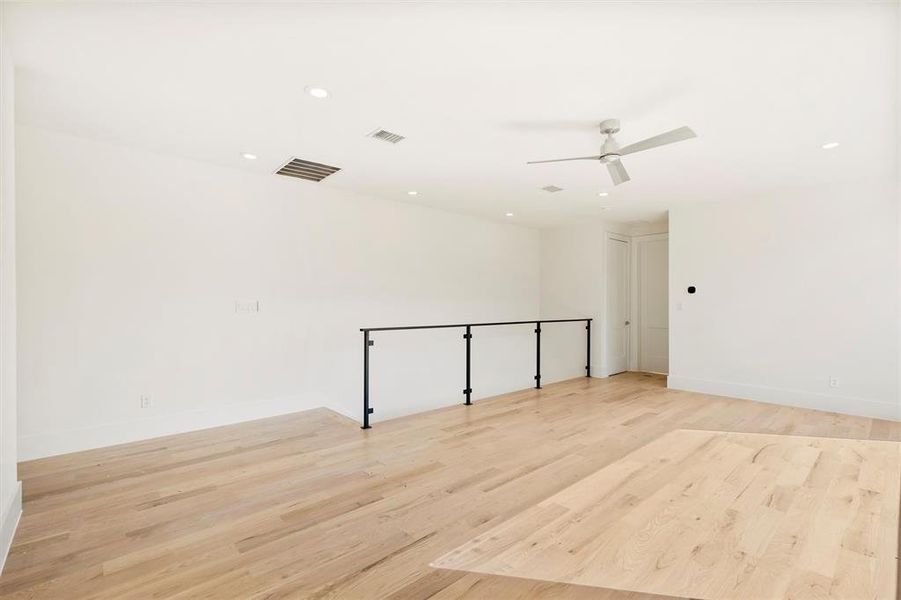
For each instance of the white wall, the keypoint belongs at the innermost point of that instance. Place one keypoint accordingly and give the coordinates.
(130, 264)
(792, 289)
(573, 273)
(10, 488)
(572, 286)
(898, 188)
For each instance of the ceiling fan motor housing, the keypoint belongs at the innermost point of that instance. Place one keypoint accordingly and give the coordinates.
(609, 149)
(609, 126)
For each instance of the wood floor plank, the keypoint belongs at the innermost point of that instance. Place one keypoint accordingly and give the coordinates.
(733, 493)
(309, 505)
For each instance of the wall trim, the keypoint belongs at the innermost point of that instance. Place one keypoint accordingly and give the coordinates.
(41, 445)
(9, 524)
(849, 405)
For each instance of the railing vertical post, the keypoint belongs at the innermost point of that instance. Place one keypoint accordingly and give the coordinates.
(366, 410)
(537, 355)
(588, 348)
(468, 390)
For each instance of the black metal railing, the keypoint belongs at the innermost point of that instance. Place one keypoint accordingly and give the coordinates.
(467, 391)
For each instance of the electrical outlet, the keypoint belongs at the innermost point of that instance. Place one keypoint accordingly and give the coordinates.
(834, 382)
(146, 402)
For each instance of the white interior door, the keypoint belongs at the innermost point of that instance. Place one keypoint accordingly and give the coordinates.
(617, 305)
(653, 305)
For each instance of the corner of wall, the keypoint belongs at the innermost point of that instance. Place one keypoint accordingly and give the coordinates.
(53, 443)
(10, 487)
(861, 407)
(10, 520)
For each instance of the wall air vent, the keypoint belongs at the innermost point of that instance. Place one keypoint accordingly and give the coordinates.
(552, 188)
(385, 136)
(305, 169)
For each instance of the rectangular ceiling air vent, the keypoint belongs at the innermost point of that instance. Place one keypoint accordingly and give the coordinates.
(305, 169)
(386, 136)
(552, 188)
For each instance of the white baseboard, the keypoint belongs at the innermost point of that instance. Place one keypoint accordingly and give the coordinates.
(45, 444)
(8, 523)
(848, 405)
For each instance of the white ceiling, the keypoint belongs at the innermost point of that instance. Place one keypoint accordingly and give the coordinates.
(479, 89)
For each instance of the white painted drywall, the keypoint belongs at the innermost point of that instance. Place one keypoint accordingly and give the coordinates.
(573, 272)
(793, 289)
(572, 284)
(898, 187)
(130, 264)
(10, 488)
(762, 83)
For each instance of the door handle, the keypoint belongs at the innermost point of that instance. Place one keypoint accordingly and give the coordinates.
(628, 323)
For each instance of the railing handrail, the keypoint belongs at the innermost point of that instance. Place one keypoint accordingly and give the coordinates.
(467, 391)
(490, 324)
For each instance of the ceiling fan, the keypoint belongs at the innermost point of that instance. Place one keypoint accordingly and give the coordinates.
(611, 152)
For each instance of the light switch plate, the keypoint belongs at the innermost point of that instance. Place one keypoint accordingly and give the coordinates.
(247, 307)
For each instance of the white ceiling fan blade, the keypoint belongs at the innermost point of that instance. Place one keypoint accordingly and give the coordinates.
(618, 172)
(535, 162)
(670, 137)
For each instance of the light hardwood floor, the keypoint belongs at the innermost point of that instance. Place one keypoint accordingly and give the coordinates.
(715, 515)
(308, 505)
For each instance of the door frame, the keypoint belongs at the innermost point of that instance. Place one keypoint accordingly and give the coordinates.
(627, 239)
(635, 298)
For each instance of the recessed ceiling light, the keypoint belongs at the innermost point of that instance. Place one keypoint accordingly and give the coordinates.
(830, 145)
(249, 156)
(603, 194)
(317, 92)
(412, 192)
(509, 214)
